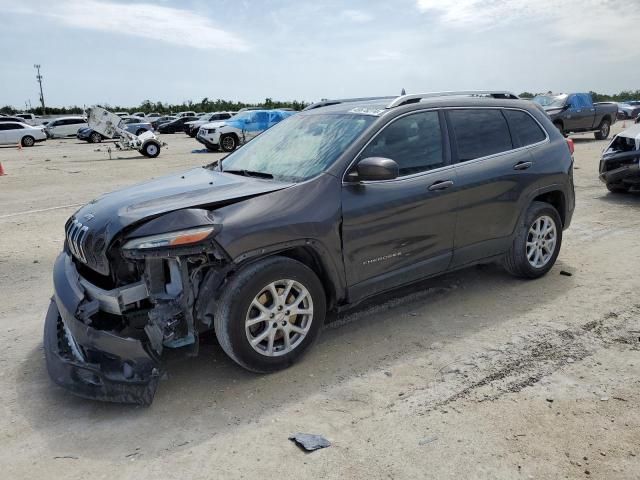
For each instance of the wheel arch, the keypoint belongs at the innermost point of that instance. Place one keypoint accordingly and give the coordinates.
(310, 253)
(556, 199)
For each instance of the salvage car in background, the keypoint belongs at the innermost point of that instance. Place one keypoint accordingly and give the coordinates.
(239, 129)
(191, 128)
(576, 113)
(135, 125)
(18, 133)
(156, 122)
(620, 163)
(325, 209)
(175, 126)
(65, 126)
(629, 109)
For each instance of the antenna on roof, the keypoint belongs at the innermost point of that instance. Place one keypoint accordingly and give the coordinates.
(403, 92)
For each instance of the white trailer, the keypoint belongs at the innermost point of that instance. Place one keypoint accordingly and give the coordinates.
(110, 125)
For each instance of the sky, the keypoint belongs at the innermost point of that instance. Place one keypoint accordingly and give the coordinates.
(123, 52)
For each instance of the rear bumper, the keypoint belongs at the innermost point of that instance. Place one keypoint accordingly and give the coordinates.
(89, 362)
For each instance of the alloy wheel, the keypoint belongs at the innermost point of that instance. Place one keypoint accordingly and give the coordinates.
(279, 318)
(541, 241)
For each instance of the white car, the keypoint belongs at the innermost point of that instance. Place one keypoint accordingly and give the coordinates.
(29, 118)
(189, 113)
(239, 129)
(17, 133)
(65, 126)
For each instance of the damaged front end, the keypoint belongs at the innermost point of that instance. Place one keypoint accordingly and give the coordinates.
(620, 163)
(105, 333)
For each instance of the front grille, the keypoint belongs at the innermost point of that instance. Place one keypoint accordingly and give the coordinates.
(77, 235)
(87, 246)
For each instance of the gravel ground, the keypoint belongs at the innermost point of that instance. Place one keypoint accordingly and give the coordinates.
(471, 375)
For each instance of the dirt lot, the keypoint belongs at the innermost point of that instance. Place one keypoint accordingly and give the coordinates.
(472, 375)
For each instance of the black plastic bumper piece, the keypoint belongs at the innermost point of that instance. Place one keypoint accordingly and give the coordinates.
(89, 362)
(89, 379)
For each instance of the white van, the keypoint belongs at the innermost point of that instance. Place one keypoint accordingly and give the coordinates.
(65, 126)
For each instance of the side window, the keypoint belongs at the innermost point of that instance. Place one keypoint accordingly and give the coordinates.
(479, 133)
(524, 129)
(572, 101)
(414, 142)
(5, 126)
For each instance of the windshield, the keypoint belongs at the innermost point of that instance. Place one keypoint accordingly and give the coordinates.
(300, 147)
(550, 100)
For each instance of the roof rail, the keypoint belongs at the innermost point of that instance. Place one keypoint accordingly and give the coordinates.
(326, 103)
(416, 97)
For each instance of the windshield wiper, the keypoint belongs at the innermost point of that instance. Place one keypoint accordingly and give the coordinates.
(249, 173)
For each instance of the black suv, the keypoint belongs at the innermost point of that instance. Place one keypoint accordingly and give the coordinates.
(335, 204)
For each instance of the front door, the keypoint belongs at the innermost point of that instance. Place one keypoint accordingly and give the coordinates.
(398, 231)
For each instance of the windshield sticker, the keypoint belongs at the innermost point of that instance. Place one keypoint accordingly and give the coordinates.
(367, 111)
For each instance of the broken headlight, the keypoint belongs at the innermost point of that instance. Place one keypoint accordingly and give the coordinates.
(171, 239)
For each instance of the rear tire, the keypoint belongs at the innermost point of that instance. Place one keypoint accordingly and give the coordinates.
(249, 313)
(95, 137)
(617, 187)
(150, 149)
(603, 132)
(535, 250)
(28, 141)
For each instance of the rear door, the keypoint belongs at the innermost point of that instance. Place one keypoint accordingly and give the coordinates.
(493, 171)
(397, 231)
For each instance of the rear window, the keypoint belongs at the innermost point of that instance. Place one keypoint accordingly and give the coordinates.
(479, 133)
(524, 129)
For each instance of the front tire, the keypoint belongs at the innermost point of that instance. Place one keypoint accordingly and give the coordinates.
(95, 137)
(536, 245)
(270, 313)
(603, 132)
(28, 141)
(228, 142)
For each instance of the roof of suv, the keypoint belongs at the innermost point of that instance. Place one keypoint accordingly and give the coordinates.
(379, 107)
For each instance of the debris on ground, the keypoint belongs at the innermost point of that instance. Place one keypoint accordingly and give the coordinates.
(309, 441)
(565, 273)
(427, 440)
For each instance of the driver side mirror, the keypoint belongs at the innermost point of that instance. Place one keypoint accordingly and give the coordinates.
(374, 168)
(568, 106)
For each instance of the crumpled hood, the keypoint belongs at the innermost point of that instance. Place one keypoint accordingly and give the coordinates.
(108, 214)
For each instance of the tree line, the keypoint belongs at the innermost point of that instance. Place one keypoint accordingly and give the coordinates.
(147, 106)
(598, 97)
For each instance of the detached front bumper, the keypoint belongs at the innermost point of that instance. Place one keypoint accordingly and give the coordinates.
(89, 362)
(621, 168)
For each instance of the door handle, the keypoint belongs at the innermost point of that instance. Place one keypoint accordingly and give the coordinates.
(522, 165)
(441, 185)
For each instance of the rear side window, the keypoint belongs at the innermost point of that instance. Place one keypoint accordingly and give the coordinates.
(479, 133)
(414, 142)
(525, 130)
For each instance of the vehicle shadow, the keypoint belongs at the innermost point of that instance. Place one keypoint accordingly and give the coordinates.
(209, 394)
(631, 198)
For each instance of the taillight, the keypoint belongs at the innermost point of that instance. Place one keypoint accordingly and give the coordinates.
(572, 147)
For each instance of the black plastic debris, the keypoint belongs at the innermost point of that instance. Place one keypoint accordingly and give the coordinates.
(310, 442)
(565, 273)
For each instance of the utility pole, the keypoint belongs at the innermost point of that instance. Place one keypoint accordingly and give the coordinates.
(39, 78)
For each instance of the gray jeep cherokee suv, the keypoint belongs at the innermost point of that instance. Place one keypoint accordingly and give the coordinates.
(335, 204)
